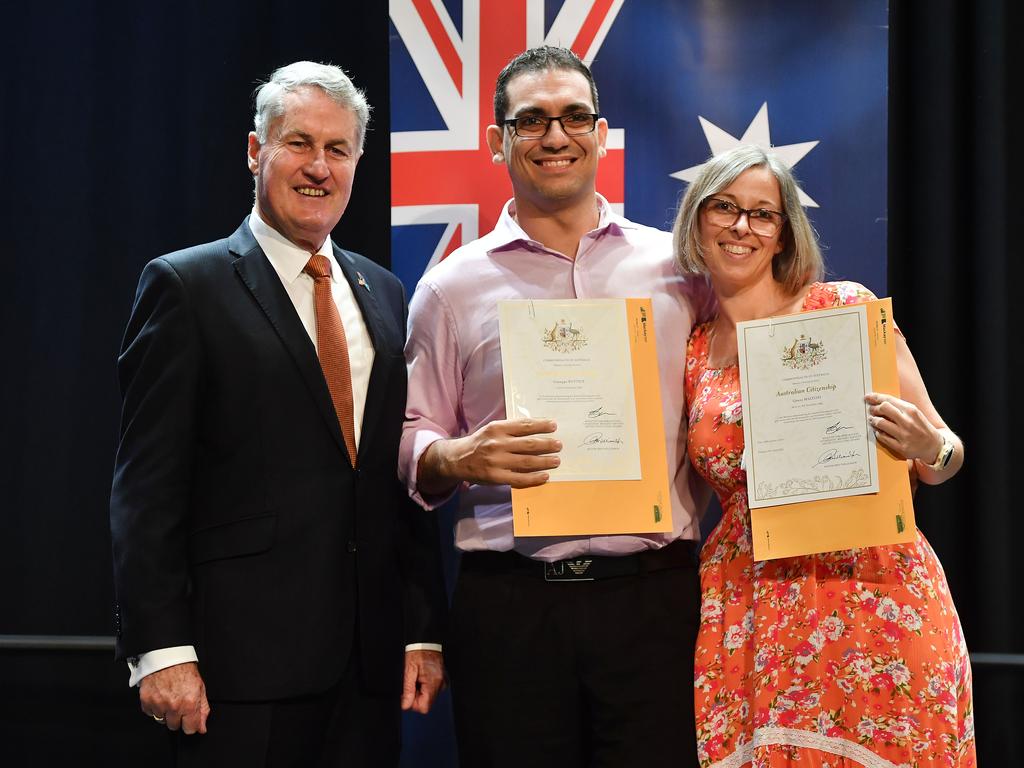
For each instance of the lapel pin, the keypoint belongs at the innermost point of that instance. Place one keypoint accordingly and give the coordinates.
(362, 280)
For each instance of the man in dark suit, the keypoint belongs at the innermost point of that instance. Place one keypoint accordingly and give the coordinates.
(269, 566)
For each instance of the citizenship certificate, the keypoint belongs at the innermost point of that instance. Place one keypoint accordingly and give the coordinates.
(805, 423)
(570, 361)
(591, 365)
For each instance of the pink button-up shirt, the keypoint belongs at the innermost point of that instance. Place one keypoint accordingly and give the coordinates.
(454, 359)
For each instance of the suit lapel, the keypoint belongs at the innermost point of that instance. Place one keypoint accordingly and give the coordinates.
(383, 348)
(263, 283)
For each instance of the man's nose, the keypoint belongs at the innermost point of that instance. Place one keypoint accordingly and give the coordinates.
(555, 136)
(317, 168)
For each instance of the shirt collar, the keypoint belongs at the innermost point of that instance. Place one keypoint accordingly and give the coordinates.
(288, 259)
(507, 231)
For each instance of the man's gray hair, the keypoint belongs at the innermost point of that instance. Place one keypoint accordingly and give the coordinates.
(330, 79)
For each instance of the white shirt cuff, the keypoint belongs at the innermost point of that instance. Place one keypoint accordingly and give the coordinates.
(423, 647)
(153, 661)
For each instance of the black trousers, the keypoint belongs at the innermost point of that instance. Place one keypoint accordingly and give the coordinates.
(587, 674)
(342, 727)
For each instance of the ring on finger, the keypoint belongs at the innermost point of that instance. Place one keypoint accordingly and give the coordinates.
(157, 718)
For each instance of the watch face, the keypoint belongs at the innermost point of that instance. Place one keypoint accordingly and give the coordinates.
(947, 454)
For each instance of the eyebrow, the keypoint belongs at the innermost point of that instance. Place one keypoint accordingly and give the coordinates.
(307, 137)
(567, 110)
(760, 204)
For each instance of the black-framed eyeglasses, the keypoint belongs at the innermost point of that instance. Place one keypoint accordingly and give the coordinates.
(725, 213)
(536, 126)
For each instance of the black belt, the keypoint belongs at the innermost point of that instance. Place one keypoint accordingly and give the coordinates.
(678, 554)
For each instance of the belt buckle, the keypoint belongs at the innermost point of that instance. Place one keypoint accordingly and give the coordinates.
(568, 570)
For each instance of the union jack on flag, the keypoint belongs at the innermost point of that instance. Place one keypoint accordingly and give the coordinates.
(678, 79)
(444, 176)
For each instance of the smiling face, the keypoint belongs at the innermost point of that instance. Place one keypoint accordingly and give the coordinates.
(305, 169)
(555, 171)
(736, 257)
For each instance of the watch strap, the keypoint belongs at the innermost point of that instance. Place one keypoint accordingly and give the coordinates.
(945, 454)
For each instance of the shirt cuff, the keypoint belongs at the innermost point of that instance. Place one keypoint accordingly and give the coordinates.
(423, 647)
(153, 661)
(424, 439)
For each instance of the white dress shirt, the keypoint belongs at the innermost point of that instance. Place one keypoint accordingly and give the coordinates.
(288, 260)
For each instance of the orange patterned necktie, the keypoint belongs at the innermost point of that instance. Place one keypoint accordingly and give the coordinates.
(332, 348)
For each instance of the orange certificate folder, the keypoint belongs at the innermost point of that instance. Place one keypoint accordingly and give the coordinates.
(594, 507)
(873, 519)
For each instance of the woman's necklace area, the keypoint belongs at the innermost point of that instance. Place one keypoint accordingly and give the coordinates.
(717, 357)
(720, 332)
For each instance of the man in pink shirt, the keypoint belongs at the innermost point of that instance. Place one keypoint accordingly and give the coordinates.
(574, 672)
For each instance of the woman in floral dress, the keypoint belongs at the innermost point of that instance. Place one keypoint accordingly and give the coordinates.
(851, 658)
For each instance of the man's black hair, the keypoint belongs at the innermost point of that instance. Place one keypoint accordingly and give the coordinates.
(542, 59)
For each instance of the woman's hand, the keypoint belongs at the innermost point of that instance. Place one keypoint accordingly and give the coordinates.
(903, 429)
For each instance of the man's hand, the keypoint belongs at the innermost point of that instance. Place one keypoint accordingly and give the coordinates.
(424, 676)
(177, 696)
(508, 452)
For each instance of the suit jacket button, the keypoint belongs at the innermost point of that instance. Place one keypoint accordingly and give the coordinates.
(351, 547)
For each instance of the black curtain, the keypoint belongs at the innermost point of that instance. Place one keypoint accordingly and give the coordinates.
(953, 267)
(123, 130)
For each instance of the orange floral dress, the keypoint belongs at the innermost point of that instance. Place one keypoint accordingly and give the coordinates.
(851, 658)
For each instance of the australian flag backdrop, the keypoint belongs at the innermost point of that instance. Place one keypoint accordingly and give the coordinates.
(678, 80)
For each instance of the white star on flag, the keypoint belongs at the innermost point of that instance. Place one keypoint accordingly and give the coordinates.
(757, 133)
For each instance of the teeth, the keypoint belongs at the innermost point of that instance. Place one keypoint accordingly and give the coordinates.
(555, 163)
(738, 250)
(311, 192)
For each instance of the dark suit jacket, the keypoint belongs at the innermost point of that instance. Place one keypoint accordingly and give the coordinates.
(239, 525)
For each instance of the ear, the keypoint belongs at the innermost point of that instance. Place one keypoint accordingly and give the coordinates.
(495, 142)
(253, 153)
(602, 137)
